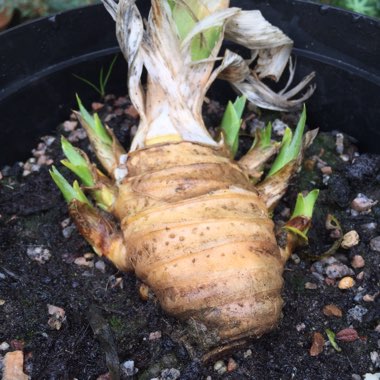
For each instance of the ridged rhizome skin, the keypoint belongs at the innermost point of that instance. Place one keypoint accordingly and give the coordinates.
(199, 235)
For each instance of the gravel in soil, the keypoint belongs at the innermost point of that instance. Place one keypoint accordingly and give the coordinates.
(74, 315)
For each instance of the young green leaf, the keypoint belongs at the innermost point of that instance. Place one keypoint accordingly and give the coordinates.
(331, 336)
(231, 122)
(185, 15)
(69, 192)
(300, 221)
(77, 163)
(305, 205)
(94, 123)
(291, 145)
(263, 137)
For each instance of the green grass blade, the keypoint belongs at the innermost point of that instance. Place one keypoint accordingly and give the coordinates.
(101, 82)
(109, 71)
(97, 89)
(69, 192)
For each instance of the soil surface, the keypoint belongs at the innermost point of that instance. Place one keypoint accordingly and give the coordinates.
(103, 328)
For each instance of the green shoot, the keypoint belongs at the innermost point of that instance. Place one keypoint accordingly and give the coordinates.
(305, 205)
(77, 163)
(263, 137)
(231, 123)
(300, 220)
(185, 16)
(103, 79)
(102, 192)
(69, 192)
(291, 145)
(331, 336)
(94, 123)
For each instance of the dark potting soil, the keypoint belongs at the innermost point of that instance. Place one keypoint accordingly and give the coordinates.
(43, 261)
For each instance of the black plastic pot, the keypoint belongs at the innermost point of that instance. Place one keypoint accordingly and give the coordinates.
(38, 60)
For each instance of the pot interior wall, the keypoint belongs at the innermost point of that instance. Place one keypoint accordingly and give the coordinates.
(38, 60)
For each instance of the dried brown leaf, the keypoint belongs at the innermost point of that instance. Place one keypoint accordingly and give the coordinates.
(332, 310)
(347, 335)
(317, 344)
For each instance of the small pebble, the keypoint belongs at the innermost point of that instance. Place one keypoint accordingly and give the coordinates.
(278, 127)
(155, 335)
(129, 367)
(360, 276)
(339, 143)
(370, 298)
(375, 358)
(375, 244)
(2, 302)
(350, 239)
(310, 285)
(82, 261)
(330, 281)
(318, 276)
(346, 283)
(301, 326)
(359, 296)
(296, 259)
(325, 179)
(132, 111)
(357, 262)
(144, 292)
(338, 270)
(96, 106)
(309, 164)
(4, 346)
(372, 376)
(362, 203)
(220, 367)
(67, 231)
(231, 365)
(101, 266)
(247, 354)
(326, 170)
(369, 226)
(65, 222)
(170, 374)
(356, 313)
(39, 254)
(69, 125)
